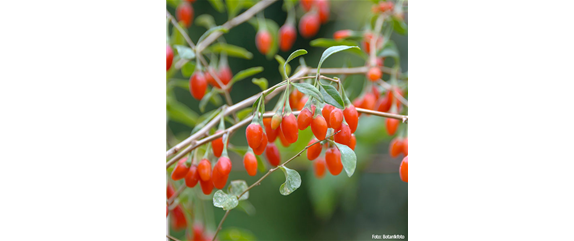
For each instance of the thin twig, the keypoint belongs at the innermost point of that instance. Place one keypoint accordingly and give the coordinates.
(171, 237)
(176, 25)
(220, 223)
(347, 71)
(404, 118)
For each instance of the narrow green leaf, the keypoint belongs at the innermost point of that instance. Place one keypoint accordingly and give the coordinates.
(283, 71)
(399, 25)
(292, 181)
(218, 5)
(184, 52)
(210, 31)
(293, 55)
(260, 164)
(330, 51)
(309, 89)
(389, 50)
(233, 7)
(244, 113)
(256, 104)
(246, 73)
(176, 36)
(348, 158)
(261, 82)
(225, 201)
(181, 113)
(325, 42)
(205, 20)
(187, 69)
(237, 187)
(230, 50)
(332, 97)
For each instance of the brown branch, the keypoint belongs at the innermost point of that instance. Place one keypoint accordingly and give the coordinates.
(249, 13)
(348, 71)
(232, 109)
(404, 118)
(176, 25)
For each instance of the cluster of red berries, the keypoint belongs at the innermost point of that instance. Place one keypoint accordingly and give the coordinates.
(207, 177)
(184, 12)
(317, 12)
(199, 80)
(383, 7)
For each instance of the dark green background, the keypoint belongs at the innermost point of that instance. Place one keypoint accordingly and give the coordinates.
(490, 134)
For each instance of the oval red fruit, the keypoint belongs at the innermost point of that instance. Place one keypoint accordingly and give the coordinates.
(179, 221)
(261, 148)
(344, 135)
(254, 135)
(272, 154)
(392, 125)
(396, 147)
(282, 138)
(309, 24)
(341, 34)
(289, 128)
(263, 41)
(276, 121)
(204, 169)
(404, 169)
(206, 186)
(352, 117)
(217, 145)
(192, 177)
(336, 118)
(184, 13)
(287, 37)
(333, 159)
(314, 151)
(319, 168)
(197, 85)
(374, 74)
(323, 6)
(180, 170)
(406, 146)
(169, 56)
(271, 133)
(221, 172)
(319, 127)
(250, 163)
(353, 142)
(304, 119)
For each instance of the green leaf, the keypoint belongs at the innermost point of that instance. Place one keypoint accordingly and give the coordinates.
(260, 164)
(256, 104)
(181, 113)
(399, 25)
(176, 36)
(325, 42)
(233, 7)
(292, 181)
(274, 31)
(237, 187)
(187, 69)
(348, 158)
(225, 201)
(309, 89)
(330, 51)
(244, 113)
(390, 50)
(246, 73)
(293, 55)
(218, 5)
(283, 70)
(230, 50)
(210, 31)
(205, 20)
(184, 52)
(332, 97)
(261, 82)
(173, 3)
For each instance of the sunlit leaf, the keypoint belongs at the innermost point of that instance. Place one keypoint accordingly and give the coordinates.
(332, 97)
(246, 73)
(292, 181)
(330, 51)
(225, 201)
(230, 50)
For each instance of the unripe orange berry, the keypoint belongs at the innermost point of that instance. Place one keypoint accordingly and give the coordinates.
(204, 169)
(396, 147)
(374, 74)
(392, 125)
(342, 34)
